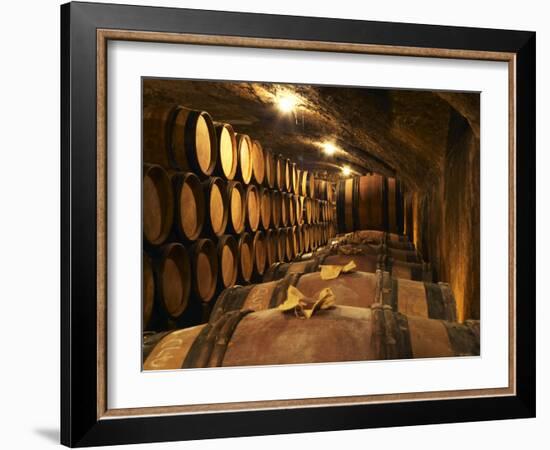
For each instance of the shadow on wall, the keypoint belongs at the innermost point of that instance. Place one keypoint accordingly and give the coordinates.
(445, 218)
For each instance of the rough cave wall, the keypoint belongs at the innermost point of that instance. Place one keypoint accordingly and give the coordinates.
(446, 218)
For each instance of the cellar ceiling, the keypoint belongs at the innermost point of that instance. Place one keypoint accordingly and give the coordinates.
(395, 132)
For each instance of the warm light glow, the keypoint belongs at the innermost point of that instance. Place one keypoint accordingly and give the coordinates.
(346, 171)
(286, 102)
(329, 148)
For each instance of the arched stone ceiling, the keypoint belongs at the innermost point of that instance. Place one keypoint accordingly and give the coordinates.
(392, 131)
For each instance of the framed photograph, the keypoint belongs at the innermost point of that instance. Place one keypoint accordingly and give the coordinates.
(277, 224)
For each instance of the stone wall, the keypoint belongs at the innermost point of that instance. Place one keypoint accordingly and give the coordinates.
(446, 223)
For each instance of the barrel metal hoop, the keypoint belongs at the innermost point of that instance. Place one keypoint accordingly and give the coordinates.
(272, 273)
(210, 345)
(150, 340)
(229, 300)
(418, 274)
(448, 301)
(386, 333)
(463, 339)
(404, 340)
(435, 302)
(280, 292)
(387, 296)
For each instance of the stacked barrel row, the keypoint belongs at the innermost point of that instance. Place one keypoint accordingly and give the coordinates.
(377, 314)
(370, 250)
(218, 209)
(370, 202)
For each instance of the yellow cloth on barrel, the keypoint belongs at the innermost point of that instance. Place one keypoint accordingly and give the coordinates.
(304, 307)
(330, 272)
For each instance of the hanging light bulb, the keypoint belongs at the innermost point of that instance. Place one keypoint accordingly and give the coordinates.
(329, 148)
(286, 102)
(346, 171)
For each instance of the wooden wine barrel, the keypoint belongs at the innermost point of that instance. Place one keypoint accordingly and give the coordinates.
(173, 280)
(365, 263)
(227, 160)
(297, 231)
(331, 192)
(308, 212)
(359, 289)
(252, 208)
(341, 333)
(323, 233)
(236, 198)
(420, 271)
(258, 163)
(344, 205)
(179, 138)
(294, 177)
(158, 204)
(227, 261)
(307, 184)
(306, 238)
(392, 240)
(190, 205)
(312, 241)
(271, 247)
(244, 151)
(265, 208)
(281, 244)
(270, 170)
(321, 189)
(148, 290)
(317, 211)
(280, 173)
(246, 257)
(288, 174)
(216, 206)
(380, 236)
(276, 208)
(284, 209)
(290, 244)
(311, 185)
(371, 202)
(204, 263)
(260, 253)
(395, 206)
(411, 256)
(291, 208)
(299, 209)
